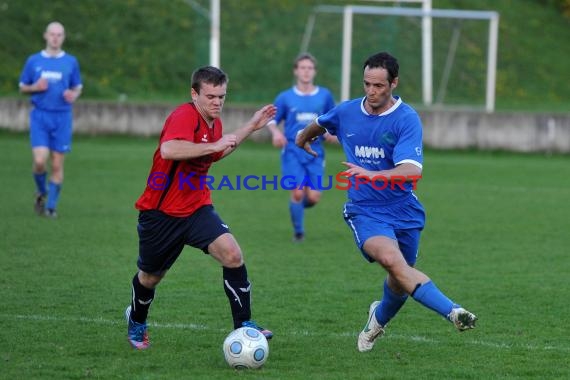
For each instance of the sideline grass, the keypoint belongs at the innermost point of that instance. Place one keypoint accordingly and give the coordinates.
(496, 240)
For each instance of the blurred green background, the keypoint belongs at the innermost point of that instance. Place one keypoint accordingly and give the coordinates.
(145, 50)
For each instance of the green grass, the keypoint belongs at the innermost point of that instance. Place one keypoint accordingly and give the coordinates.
(496, 240)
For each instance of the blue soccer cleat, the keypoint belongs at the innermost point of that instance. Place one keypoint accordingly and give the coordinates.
(267, 333)
(136, 332)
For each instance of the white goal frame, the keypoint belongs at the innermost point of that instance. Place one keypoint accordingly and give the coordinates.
(427, 14)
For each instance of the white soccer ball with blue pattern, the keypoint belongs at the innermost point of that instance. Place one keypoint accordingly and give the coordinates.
(246, 348)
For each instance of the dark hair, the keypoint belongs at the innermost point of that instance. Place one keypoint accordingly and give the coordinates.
(208, 74)
(302, 57)
(385, 61)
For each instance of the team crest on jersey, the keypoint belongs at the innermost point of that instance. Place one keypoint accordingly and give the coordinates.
(205, 138)
(388, 138)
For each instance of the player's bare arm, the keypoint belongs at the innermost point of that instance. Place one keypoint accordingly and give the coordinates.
(277, 137)
(407, 170)
(307, 135)
(257, 121)
(184, 150)
(40, 86)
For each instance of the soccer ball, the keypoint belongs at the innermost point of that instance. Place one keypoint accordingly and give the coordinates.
(245, 348)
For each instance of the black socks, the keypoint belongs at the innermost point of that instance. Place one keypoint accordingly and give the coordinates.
(141, 299)
(238, 290)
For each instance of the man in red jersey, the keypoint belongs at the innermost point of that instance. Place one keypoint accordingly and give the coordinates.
(176, 208)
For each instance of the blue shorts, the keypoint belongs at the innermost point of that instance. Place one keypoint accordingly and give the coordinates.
(298, 164)
(51, 129)
(402, 221)
(162, 237)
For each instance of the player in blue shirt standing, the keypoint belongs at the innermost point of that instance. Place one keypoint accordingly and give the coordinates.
(382, 139)
(52, 78)
(297, 107)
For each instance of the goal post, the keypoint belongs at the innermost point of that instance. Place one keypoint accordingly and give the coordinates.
(349, 11)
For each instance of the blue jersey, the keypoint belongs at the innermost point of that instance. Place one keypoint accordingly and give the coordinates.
(376, 142)
(61, 72)
(299, 109)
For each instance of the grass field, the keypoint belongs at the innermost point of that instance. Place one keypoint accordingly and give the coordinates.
(496, 241)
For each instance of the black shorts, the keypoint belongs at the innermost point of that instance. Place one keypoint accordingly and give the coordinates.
(162, 237)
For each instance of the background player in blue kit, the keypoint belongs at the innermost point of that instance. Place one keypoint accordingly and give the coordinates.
(382, 136)
(53, 79)
(297, 107)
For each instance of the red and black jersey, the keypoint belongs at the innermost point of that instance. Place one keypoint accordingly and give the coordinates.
(176, 187)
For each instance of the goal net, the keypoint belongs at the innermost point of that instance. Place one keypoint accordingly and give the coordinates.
(462, 54)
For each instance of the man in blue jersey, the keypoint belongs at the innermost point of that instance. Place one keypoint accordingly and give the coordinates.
(298, 106)
(53, 80)
(382, 139)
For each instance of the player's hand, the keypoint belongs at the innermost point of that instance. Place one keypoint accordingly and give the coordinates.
(302, 142)
(331, 138)
(263, 116)
(70, 96)
(355, 170)
(41, 85)
(227, 141)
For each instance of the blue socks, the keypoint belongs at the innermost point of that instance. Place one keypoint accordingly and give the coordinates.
(52, 191)
(427, 294)
(389, 306)
(53, 195)
(297, 216)
(431, 297)
(40, 179)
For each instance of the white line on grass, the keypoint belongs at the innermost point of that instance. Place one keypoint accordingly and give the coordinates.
(181, 326)
(193, 326)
